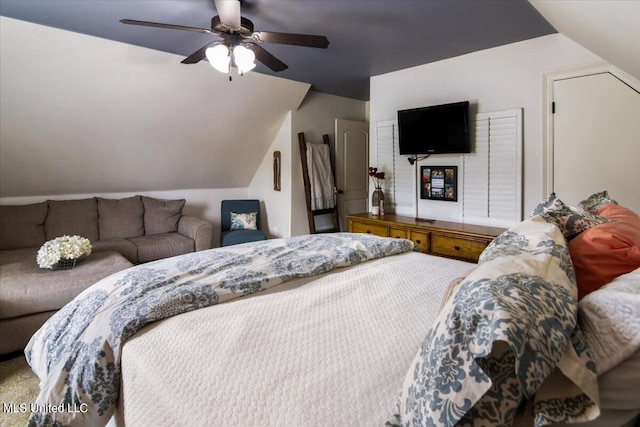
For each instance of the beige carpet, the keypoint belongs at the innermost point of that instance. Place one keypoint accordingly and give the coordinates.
(18, 385)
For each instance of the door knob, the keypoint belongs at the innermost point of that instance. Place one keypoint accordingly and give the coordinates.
(338, 191)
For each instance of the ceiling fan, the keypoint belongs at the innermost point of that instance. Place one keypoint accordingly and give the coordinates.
(238, 46)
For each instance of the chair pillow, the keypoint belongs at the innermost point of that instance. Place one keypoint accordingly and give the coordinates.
(161, 216)
(244, 221)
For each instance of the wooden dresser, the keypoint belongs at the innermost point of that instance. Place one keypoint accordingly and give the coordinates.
(442, 238)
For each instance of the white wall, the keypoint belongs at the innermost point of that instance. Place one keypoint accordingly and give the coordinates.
(315, 117)
(82, 114)
(276, 205)
(495, 79)
(609, 28)
(287, 210)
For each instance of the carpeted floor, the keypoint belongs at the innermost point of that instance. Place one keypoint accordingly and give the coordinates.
(18, 385)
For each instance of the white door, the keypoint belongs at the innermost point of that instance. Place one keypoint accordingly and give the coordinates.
(352, 168)
(596, 139)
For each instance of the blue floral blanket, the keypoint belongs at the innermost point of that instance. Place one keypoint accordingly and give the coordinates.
(76, 354)
(507, 336)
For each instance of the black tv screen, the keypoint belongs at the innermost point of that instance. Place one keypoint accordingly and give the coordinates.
(436, 129)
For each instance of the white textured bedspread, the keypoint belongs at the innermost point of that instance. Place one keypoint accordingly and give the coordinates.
(332, 350)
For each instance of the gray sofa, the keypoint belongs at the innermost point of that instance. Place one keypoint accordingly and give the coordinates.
(123, 232)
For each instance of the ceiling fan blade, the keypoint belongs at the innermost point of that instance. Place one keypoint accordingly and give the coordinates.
(229, 12)
(168, 26)
(197, 56)
(266, 58)
(294, 39)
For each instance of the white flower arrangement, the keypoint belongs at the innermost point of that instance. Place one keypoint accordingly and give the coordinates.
(62, 248)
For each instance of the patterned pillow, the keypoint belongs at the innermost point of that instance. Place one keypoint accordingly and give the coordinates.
(244, 221)
(550, 203)
(570, 221)
(506, 329)
(595, 202)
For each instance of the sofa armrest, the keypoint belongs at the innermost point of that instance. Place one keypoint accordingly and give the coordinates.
(198, 229)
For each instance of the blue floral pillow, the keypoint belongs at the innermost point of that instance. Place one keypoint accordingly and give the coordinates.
(244, 221)
(505, 331)
(595, 202)
(550, 203)
(571, 221)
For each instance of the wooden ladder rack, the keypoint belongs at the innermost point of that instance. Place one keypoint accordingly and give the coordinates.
(312, 214)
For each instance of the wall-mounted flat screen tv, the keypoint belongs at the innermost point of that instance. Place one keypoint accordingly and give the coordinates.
(437, 129)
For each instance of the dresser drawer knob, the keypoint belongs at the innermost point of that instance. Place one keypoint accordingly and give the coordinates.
(456, 247)
(418, 241)
(368, 231)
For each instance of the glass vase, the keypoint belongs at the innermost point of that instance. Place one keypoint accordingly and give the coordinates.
(377, 200)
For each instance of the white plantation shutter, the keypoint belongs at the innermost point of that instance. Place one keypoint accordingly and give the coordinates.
(385, 132)
(493, 171)
(491, 178)
(405, 179)
(400, 175)
(475, 167)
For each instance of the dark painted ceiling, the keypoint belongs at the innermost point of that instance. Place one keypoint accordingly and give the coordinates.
(367, 37)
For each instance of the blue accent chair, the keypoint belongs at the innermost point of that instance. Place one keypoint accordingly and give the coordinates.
(230, 237)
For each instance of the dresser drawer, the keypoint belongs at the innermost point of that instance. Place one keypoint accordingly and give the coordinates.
(421, 239)
(441, 238)
(360, 227)
(399, 233)
(457, 247)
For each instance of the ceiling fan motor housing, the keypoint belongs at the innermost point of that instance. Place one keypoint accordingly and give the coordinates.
(246, 26)
(235, 32)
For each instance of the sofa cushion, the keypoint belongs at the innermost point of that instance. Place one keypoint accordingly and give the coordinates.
(72, 217)
(123, 246)
(27, 289)
(120, 217)
(161, 216)
(17, 331)
(22, 226)
(157, 246)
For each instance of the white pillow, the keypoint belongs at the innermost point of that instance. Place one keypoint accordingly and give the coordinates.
(610, 319)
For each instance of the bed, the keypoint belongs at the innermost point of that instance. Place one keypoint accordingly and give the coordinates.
(375, 334)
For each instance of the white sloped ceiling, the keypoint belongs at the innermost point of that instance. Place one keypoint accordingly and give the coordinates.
(80, 114)
(608, 28)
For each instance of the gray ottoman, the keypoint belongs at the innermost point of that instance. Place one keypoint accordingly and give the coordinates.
(29, 295)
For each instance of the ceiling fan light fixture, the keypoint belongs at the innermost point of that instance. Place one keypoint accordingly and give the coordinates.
(244, 59)
(234, 30)
(219, 58)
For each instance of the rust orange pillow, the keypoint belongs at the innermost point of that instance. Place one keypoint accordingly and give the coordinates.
(606, 251)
